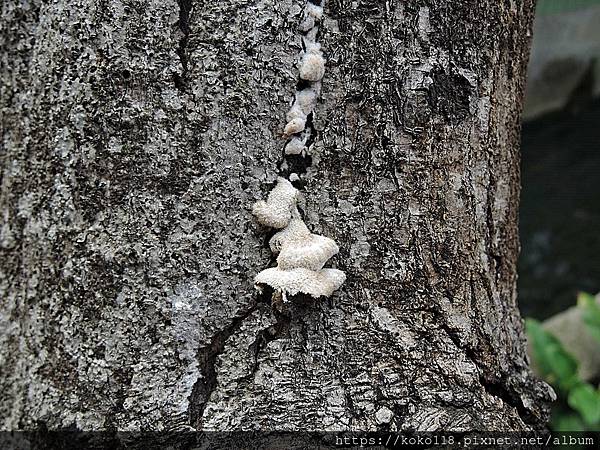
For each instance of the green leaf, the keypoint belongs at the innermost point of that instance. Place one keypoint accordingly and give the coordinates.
(562, 421)
(585, 399)
(590, 312)
(557, 365)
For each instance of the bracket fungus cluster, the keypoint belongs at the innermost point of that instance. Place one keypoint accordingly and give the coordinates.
(311, 71)
(301, 254)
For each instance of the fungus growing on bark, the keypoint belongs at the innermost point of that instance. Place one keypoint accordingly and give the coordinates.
(295, 126)
(312, 66)
(311, 70)
(296, 120)
(301, 254)
(276, 212)
(320, 283)
(305, 103)
(306, 99)
(296, 145)
(312, 14)
(298, 247)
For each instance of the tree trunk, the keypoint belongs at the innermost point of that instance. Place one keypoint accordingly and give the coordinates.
(138, 134)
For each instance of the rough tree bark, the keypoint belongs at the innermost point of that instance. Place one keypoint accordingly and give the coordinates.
(137, 134)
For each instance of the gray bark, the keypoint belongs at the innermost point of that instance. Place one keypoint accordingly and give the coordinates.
(137, 135)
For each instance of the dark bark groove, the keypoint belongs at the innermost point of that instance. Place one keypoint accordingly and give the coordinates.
(207, 358)
(185, 8)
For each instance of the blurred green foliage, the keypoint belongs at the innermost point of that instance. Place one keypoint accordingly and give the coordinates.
(558, 6)
(578, 406)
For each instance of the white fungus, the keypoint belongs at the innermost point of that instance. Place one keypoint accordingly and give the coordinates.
(295, 126)
(301, 254)
(312, 69)
(314, 283)
(296, 113)
(312, 14)
(305, 103)
(295, 146)
(311, 254)
(312, 66)
(313, 10)
(276, 212)
(298, 247)
(295, 230)
(306, 99)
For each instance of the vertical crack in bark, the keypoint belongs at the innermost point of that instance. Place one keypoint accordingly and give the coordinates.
(269, 334)
(489, 215)
(185, 8)
(207, 358)
(498, 387)
(356, 414)
(501, 391)
(285, 315)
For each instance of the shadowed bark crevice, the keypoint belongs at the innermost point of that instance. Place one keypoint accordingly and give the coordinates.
(207, 359)
(276, 331)
(185, 8)
(500, 390)
(496, 386)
